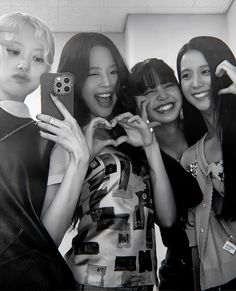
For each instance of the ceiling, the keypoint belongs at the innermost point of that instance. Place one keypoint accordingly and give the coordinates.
(106, 15)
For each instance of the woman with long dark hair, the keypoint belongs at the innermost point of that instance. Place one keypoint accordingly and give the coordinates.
(212, 160)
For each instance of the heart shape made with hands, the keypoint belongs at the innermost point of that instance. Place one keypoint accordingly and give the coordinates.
(98, 138)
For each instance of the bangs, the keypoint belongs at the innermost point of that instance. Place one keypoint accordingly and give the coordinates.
(42, 33)
(151, 77)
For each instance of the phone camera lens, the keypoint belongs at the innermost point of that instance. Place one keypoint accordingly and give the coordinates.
(67, 88)
(67, 80)
(58, 84)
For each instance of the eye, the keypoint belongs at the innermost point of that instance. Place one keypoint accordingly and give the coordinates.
(148, 93)
(92, 74)
(13, 52)
(38, 59)
(206, 72)
(169, 85)
(185, 76)
(114, 72)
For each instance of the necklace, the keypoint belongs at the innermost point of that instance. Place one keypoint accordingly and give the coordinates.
(16, 130)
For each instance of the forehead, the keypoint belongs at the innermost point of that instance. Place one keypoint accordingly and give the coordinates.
(193, 59)
(26, 35)
(100, 56)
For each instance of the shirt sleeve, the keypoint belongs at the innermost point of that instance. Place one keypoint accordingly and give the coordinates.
(58, 164)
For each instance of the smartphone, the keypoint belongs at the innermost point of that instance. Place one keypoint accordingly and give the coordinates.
(61, 85)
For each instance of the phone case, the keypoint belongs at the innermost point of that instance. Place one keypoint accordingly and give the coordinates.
(61, 85)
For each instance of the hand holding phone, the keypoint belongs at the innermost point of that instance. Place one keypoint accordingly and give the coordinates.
(61, 85)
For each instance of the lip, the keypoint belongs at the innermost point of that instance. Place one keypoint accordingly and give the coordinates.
(21, 78)
(165, 108)
(201, 94)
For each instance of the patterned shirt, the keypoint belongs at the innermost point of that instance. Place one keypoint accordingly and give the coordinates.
(114, 245)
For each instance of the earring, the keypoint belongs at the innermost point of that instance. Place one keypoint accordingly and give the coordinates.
(181, 114)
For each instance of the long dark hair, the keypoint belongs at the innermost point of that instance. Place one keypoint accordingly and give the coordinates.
(215, 51)
(75, 59)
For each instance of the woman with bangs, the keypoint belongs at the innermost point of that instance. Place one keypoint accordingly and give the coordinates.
(160, 101)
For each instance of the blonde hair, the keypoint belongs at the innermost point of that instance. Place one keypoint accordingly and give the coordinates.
(42, 32)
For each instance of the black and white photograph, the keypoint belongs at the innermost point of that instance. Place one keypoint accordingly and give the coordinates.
(118, 145)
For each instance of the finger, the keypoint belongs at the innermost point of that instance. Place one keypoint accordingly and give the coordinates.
(99, 122)
(94, 123)
(49, 136)
(153, 124)
(225, 91)
(50, 120)
(48, 127)
(123, 116)
(225, 67)
(121, 140)
(139, 100)
(136, 118)
(144, 110)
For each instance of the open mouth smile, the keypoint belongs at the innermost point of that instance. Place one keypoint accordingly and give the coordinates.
(104, 99)
(201, 94)
(164, 108)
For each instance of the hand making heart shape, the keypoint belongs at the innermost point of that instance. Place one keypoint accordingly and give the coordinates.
(137, 130)
(96, 142)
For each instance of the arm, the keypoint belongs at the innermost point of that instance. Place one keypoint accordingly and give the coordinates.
(163, 198)
(139, 134)
(61, 199)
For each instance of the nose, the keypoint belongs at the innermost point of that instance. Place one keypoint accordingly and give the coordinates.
(197, 81)
(23, 66)
(105, 80)
(161, 93)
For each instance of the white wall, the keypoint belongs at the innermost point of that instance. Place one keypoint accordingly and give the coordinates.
(231, 24)
(162, 36)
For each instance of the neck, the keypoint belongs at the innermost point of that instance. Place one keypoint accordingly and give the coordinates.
(171, 139)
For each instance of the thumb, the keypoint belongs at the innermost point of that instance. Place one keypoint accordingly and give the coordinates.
(224, 91)
(153, 124)
(121, 140)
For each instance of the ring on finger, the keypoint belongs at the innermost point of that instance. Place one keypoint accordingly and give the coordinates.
(51, 121)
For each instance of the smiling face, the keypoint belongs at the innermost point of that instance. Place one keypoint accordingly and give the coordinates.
(21, 64)
(196, 80)
(165, 102)
(98, 90)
